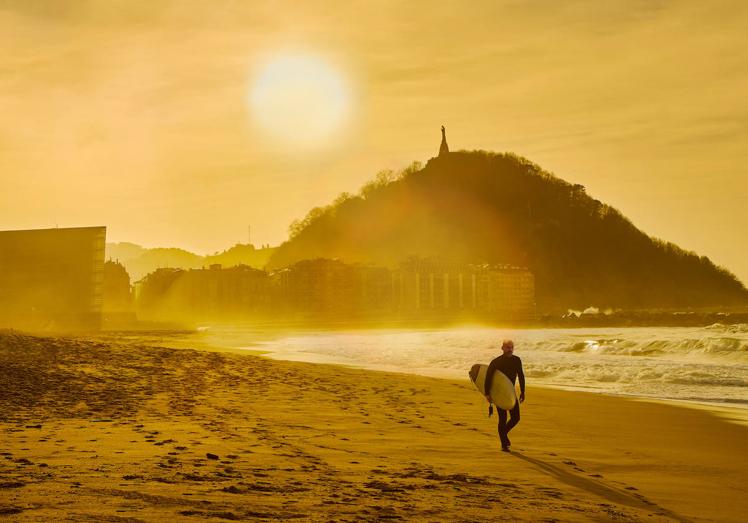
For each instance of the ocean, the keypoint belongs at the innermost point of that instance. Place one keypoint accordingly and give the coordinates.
(707, 365)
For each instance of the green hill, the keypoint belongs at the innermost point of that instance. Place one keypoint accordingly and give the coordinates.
(480, 207)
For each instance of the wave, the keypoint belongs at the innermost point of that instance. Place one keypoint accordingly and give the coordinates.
(706, 347)
(735, 328)
(634, 376)
(650, 362)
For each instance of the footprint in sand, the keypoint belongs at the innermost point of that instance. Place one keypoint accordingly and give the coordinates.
(551, 492)
(11, 484)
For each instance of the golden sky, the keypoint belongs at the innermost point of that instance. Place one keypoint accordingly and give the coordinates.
(139, 115)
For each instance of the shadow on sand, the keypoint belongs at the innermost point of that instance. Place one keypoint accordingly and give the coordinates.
(611, 494)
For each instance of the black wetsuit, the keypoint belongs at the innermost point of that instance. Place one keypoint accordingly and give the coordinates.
(511, 366)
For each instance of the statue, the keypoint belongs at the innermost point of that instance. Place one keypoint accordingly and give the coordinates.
(443, 148)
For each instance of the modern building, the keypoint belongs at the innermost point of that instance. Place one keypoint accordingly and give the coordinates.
(52, 279)
(435, 287)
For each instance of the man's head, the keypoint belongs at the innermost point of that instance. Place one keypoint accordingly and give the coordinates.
(507, 347)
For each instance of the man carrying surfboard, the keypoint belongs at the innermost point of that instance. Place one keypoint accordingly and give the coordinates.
(511, 366)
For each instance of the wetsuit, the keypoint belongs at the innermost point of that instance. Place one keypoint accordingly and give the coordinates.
(511, 366)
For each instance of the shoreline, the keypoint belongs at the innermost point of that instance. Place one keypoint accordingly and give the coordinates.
(263, 334)
(724, 410)
(736, 412)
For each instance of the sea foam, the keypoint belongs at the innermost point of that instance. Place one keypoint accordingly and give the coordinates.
(707, 364)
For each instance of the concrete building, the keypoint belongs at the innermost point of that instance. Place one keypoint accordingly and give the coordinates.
(436, 287)
(52, 279)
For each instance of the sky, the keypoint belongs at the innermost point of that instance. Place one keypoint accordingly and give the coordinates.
(153, 117)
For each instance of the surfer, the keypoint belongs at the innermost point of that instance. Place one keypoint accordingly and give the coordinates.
(511, 366)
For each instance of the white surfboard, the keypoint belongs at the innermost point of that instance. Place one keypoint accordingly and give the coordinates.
(502, 393)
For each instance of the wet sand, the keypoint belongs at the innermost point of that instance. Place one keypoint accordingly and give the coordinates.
(100, 430)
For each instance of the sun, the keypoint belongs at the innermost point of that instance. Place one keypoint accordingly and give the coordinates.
(301, 100)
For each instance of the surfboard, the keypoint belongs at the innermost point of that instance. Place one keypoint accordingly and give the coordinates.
(502, 392)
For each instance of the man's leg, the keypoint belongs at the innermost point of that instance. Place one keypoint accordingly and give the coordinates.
(503, 428)
(514, 419)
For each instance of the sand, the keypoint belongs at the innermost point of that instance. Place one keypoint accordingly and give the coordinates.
(97, 430)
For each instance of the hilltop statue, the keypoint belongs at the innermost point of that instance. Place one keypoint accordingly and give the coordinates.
(443, 148)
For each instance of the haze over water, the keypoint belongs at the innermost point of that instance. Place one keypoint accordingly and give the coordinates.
(705, 365)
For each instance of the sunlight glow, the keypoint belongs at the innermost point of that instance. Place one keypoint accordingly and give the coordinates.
(300, 100)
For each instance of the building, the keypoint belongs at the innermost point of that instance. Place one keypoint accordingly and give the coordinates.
(434, 287)
(330, 289)
(52, 279)
(320, 286)
(212, 293)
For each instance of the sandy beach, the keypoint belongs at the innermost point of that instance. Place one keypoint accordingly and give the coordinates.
(96, 430)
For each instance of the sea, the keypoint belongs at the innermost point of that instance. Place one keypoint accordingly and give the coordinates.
(706, 365)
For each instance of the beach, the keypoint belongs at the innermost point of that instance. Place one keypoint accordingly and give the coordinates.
(99, 430)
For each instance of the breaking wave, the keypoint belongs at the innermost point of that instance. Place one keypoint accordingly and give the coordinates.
(709, 363)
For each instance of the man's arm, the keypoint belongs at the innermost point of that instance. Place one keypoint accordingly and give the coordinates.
(521, 376)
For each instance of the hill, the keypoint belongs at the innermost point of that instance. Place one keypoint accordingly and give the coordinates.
(480, 207)
(241, 254)
(140, 261)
